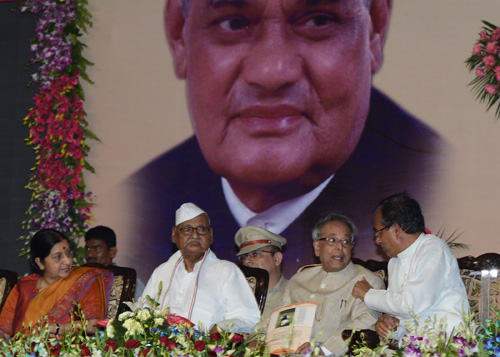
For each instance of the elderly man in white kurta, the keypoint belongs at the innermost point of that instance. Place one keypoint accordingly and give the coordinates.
(330, 285)
(424, 279)
(197, 285)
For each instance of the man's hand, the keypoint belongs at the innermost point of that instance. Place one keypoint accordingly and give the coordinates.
(385, 324)
(303, 349)
(360, 289)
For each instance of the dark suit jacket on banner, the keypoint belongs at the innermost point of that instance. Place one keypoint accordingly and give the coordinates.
(396, 153)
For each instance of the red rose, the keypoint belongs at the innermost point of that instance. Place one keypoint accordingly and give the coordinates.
(84, 350)
(215, 336)
(163, 340)
(171, 345)
(144, 352)
(131, 344)
(237, 338)
(199, 345)
(55, 350)
(212, 353)
(110, 344)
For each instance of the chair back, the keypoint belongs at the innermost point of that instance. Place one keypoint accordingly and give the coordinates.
(481, 277)
(258, 280)
(122, 290)
(8, 279)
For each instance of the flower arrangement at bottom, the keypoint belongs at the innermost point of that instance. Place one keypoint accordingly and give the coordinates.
(156, 332)
(430, 339)
(143, 332)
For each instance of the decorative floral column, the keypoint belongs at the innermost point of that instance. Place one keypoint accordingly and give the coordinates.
(57, 127)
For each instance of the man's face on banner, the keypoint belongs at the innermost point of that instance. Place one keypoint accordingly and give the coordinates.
(278, 89)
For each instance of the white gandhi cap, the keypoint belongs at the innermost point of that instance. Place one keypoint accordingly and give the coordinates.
(186, 212)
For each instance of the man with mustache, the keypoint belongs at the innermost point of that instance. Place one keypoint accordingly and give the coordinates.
(259, 248)
(100, 247)
(424, 280)
(288, 127)
(198, 286)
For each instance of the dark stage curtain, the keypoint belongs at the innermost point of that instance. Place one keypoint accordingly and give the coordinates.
(16, 159)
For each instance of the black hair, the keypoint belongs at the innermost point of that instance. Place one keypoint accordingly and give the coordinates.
(41, 244)
(403, 210)
(103, 233)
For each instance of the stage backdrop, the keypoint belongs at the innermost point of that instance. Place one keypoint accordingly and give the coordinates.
(138, 109)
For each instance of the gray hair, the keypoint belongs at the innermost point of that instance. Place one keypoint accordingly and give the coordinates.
(318, 227)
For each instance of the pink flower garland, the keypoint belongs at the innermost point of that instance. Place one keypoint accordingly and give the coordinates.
(485, 62)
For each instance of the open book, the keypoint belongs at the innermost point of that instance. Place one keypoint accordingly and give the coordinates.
(290, 326)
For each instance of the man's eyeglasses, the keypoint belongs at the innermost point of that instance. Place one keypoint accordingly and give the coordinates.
(255, 254)
(333, 240)
(188, 230)
(377, 233)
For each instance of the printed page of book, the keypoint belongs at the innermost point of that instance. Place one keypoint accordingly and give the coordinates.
(290, 326)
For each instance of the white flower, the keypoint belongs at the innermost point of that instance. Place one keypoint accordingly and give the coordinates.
(110, 330)
(124, 315)
(133, 327)
(159, 321)
(128, 323)
(137, 305)
(97, 353)
(143, 315)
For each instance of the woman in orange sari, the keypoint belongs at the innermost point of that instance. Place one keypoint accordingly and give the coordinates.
(55, 290)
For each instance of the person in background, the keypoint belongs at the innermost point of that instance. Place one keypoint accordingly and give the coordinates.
(100, 247)
(287, 124)
(262, 249)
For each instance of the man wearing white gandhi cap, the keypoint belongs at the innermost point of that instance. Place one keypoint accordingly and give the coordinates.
(262, 249)
(196, 284)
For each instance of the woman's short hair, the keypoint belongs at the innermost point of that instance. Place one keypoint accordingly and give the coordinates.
(41, 244)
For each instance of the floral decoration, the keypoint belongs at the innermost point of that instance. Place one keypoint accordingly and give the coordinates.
(490, 335)
(58, 131)
(156, 332)
(430, 339)
(485, 62)
(143, 332)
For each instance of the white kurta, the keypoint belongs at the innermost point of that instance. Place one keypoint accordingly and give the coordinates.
(215, 292)
(424, 281)
(337, 309)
